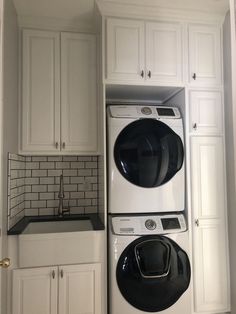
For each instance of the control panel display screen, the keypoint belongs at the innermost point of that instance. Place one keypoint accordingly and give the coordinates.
(165, 112)
(170, 223)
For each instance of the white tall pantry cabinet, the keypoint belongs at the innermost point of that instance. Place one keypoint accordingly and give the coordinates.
(208, 181)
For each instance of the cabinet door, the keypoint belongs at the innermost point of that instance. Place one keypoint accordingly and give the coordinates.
(40, 114)
(78, 93)
(210, 267)
(206, 113)
(207, 172)
(164, 52)
(125, 50)
(80, 289)
(35, 291)
(204, 55)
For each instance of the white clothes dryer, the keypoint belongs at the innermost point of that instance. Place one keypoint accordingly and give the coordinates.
(145, 159)
(149, 268)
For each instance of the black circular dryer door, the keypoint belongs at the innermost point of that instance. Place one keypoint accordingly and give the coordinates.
(148, 153)
(152, 273)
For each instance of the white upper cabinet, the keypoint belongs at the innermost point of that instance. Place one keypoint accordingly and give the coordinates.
(125, 50)
(78, 93)
(144, 52)
(59, 101)
(206, 113)
(40, 114)
(204, 55)
(164, 52)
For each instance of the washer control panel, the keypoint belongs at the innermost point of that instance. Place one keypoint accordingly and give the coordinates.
(144, 225)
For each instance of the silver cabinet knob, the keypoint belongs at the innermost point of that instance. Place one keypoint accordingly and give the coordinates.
(142, 73)
(57, 145)
(149, 74)
(62, 273)
(194, 76)
(53, 274)
(197, 222)
(195, 126)
(5, 263)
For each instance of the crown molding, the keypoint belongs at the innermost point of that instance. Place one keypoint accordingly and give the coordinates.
(55, 24)
(117, 9)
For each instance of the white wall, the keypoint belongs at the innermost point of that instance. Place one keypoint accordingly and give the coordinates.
(9, 123)
(230, 158)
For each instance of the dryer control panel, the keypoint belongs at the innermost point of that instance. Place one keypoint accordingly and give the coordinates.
(140, 111)
(150, 224)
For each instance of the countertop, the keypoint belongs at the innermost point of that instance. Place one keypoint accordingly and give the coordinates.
(23, 223)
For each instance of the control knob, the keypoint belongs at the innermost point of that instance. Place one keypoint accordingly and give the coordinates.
(150, 224)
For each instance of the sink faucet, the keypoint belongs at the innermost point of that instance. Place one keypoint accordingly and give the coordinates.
(61, 196)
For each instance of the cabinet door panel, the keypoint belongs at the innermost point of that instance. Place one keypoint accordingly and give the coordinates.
(207, 172)
(80, 289)
(41, 91)
(210, 267)
(164, 52)
(35, 291)
(78, 93)
(125, 49)
(204, 55)
(206, 113)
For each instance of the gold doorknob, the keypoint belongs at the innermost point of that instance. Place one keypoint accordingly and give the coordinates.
(5, 263)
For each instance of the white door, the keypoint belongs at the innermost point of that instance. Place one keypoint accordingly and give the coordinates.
(78, 93)
(125, 50)
(80, 289)
(210, 246)
(211, 293)
(164, 52)
(35, 290)
(207, 173)
(40, 114)
(204, 55)
(206, 113)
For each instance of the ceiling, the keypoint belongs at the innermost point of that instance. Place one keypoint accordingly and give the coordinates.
(210, 6)
(66, 9)
(83, 10)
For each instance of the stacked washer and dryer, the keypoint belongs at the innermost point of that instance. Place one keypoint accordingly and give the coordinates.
(149, 268)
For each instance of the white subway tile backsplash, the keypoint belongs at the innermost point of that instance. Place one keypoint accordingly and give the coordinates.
(70, 173)
(32, 165)
(46, 180)
(39, 173)
(39, 188)
(77, 164)
(54, 173)
(33, 185)
(47, 165)
(38, 204)
(62, 165)
(55, 158)
(46, 196)
(39, 158)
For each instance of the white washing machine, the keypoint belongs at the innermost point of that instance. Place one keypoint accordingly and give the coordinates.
(145, 159)
(149, 268)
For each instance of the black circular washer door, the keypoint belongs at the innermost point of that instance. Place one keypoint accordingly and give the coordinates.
(148, 153)
(152, 273)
